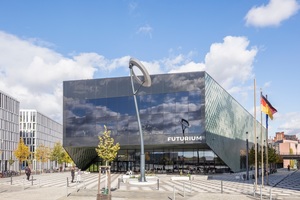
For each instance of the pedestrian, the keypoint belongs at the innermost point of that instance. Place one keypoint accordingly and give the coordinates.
(72, 174)
(27, 172)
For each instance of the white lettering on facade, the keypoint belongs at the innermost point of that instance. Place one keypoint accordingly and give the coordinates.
(186, 138)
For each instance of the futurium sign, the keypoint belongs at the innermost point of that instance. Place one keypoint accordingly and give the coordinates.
(185, 138)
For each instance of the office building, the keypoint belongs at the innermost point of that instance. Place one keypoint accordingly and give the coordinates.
(9, 131)
(38, 129)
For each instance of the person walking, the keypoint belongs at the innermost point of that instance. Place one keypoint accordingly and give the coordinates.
(27, 172)
(72, 174)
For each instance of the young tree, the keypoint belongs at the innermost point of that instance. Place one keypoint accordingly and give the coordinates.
(21, 152)
(57, 153)
(42, 154)
(106, 149)
(292, 162)
(10, 162)
(273, 157)
(67, 158)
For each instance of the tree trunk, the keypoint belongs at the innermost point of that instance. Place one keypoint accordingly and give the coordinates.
(106, 186)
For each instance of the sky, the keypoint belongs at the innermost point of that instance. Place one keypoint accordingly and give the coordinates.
(43, 43)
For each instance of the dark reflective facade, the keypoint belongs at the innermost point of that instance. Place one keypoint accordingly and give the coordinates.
(88, 105)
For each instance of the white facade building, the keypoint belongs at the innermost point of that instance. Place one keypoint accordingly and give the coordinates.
(9, 131)
(37, 129)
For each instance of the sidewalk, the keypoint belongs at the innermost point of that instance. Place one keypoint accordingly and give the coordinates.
(152, 195)
(53, 187)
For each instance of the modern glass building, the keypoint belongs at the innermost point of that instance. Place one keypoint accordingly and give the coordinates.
(36, 129)
(189, 122)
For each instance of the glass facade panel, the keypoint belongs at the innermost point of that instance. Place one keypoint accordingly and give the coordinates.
(189, 122)
(226, 124)
(160, 111)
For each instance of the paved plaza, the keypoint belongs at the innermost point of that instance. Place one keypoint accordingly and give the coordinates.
(56, 186)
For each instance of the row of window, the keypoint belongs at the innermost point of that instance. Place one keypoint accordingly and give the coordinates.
(9, 136)
(7, 146)
(9, 103)
(8, 125)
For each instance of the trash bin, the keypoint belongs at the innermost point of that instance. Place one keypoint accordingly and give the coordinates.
(103, 197)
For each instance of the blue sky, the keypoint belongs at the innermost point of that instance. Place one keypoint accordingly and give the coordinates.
(43, 43)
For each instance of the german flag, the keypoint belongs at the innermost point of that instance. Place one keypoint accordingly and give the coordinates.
(267, 107)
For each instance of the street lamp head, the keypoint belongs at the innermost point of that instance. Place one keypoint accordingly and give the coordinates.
(147, 79)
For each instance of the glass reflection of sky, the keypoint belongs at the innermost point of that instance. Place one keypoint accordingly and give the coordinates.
(157, 116)
(172, 98)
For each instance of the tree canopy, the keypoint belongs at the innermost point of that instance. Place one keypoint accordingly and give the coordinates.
(58, 153)
(273, 157)
(42, 153)
(22, 151)
(106, 149)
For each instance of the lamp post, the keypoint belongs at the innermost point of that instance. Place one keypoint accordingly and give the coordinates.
(247, 157)
(257, 165)
(296, 155)
(146, 83)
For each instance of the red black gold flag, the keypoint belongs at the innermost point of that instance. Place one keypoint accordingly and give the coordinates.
(267, 107)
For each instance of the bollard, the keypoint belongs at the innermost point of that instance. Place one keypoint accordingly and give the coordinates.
(254, 189)
(173, 192)
(84, 183)
(221, 186)
(76, 186)
(31, 180)
(260, 192)
(270, 193)
(67, 182)
(67, 187)
(119, 180)
(11, 179)
(157, 184)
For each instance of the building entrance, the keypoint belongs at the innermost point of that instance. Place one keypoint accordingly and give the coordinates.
(124, 166)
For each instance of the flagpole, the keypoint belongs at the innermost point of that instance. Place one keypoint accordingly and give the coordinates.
(267, 144)
(255, 138)
(269, 110)
(262, 144)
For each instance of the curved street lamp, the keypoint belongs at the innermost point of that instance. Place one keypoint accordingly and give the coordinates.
(146, 82)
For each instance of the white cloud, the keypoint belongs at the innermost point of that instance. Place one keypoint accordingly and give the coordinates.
(189, 67)
(147, 30)
(272, 14)
(132, 6)
(117, 63)
(290, 123)
(34, 75)
(231, 62)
